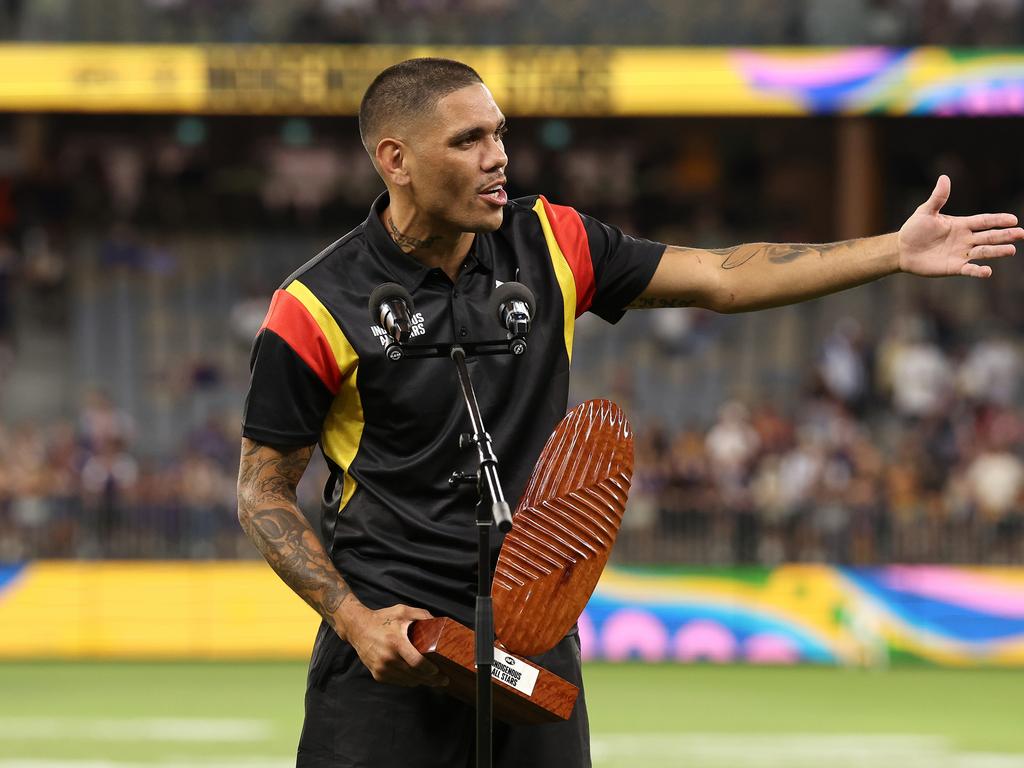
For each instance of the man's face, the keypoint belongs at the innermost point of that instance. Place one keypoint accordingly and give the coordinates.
(457, 160)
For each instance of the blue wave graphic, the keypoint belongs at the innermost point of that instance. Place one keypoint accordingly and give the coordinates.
(830, 97)
(8, 574)
(951, 621)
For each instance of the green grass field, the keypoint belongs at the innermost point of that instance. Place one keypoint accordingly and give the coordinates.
(115, 715)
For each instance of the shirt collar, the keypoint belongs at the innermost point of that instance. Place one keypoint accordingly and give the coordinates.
(406, 269)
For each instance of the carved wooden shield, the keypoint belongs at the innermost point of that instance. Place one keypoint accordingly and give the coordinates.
(563, 529)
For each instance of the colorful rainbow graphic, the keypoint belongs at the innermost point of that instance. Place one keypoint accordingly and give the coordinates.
(921, 81)
(815, 613)
(958, 616)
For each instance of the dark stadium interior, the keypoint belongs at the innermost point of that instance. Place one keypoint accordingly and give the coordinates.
(529, 22)
(822, 432)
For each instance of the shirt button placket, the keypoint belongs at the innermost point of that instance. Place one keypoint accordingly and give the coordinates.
(460, 317)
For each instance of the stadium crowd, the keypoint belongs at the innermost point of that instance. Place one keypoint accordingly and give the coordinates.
(904, 448)
(529, 22)
(905, 443)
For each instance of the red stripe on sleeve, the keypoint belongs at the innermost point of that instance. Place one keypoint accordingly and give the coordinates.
(289, 319)
(568, 229)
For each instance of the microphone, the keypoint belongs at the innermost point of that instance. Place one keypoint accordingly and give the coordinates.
(391, 308)
(513, 304)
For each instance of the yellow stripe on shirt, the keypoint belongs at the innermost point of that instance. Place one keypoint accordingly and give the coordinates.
(563, 273)
(343, 427)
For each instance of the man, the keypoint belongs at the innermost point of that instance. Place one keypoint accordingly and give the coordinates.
(398, 543)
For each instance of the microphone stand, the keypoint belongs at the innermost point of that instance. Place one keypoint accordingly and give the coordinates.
(497, 512)
(486, 480)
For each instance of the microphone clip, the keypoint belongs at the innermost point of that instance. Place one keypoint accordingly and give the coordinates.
(512, 304)
(516, 345)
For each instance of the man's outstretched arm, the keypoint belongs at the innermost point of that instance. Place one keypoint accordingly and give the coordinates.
(270, 516)
(761, 275)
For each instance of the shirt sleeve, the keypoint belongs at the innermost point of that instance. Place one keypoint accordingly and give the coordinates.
(609, 268)
(294, 377)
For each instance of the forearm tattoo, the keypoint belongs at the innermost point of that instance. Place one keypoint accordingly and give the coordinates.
(291, 547)
(271, 518)
(738, 255)
(776, 253)
(405, 242)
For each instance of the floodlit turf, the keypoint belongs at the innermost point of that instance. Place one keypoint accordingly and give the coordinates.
(121, 711)
(109, 715)
(904, 716)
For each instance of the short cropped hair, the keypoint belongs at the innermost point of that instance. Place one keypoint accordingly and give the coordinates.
(409, 88)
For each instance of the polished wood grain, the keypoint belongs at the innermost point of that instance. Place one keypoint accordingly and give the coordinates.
(563, 529)
(549, 564)
(449, 645)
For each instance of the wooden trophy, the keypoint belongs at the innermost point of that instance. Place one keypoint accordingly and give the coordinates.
(549, 564)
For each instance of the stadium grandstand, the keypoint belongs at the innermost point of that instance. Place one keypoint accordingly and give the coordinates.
(139, 252)
(521, 22)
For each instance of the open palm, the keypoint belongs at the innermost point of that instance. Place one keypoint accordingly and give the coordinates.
(933, 244)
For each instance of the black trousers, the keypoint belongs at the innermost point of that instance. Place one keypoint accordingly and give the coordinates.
(352, 721)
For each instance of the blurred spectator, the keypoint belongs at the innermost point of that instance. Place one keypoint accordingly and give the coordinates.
(990, 373)
(109, 478)
(208, 504)
(994, 483)
(918, 372)
(27, 481)
(731, 445)
(101, 424)
(843, 367)
(301, 179)
(682, 22)
(246, 316)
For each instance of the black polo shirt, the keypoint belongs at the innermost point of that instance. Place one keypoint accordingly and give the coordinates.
(389, 430)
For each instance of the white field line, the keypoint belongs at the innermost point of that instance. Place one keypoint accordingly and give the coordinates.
(795, 750)
(135, 729)
(656, 750)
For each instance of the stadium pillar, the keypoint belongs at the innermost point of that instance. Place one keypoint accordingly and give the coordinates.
(857, 195)
(30, 138)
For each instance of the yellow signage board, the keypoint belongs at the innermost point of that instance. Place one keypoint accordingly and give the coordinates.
(526, 80)
(159, 609)
(102, 78)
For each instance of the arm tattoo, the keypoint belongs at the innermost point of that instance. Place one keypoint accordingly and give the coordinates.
(291, 547)
(776, 253)
(734, 258)
(272, 475)
(271, 518)
(405, 242)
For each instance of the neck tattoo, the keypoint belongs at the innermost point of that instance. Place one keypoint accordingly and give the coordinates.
(409, 244)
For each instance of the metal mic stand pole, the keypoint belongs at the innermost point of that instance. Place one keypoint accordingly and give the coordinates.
(499, 512)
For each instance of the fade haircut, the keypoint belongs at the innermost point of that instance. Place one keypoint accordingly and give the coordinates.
(405, 90)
